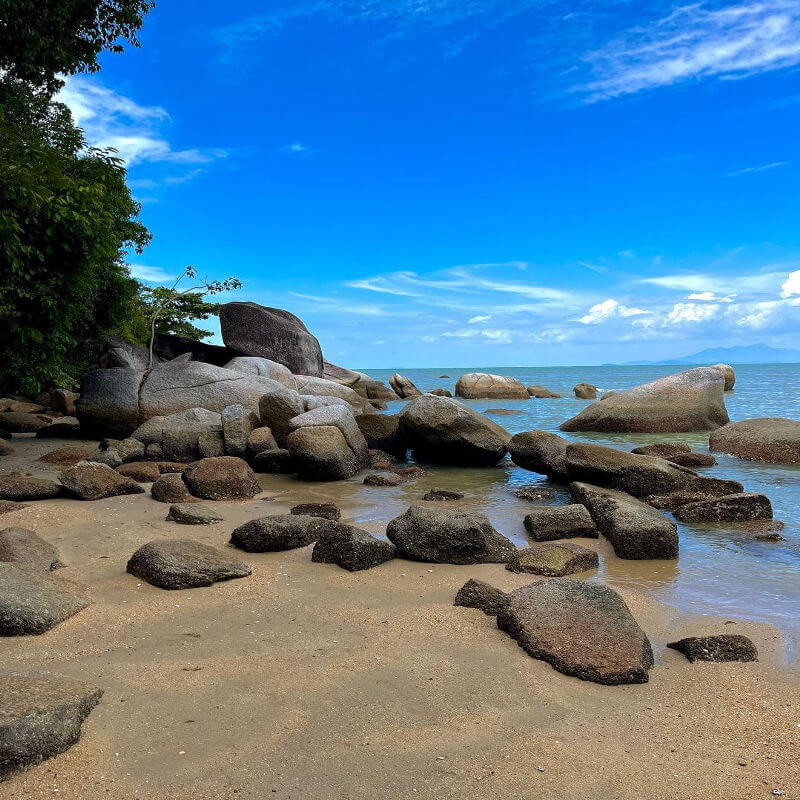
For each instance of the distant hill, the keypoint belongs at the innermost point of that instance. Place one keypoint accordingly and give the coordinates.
(747, 354)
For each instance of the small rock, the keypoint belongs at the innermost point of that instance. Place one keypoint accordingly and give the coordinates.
(411, 471)
(170, 488)
(553, 560)
(23, 487)
(534, 493)
(547, 523)
(221, 478)
(141, 471)
(192, 514)
(383, 479)
(434, 495)
(90, 481)
(351, 548)
(726, 647)
(278, 533)
(585, 391)
(324, 510)
(481, 595)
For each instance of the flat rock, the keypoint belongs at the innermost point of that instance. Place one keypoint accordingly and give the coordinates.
(448, 536)
(325, 510)
(40, 717)
(627, 472)
(62, 428)
(483, 385)
(725, 647)
(688, 401)
(540, 451)
(351, 548)
(741, 507)
(580, 628)
(692, 460)
(7, 506)
(444, 431)
(772, 440)
(67, 456)
(183, 564)
(635, 530)
(534, 493)
(280, 532)
(170, 488)
(221, 478)
(31, 603)
(383, 479)
(141, 471)
(89, 481)
(192, 514)
(25, 487)
(436, 495)
(553, 560)
(28, 551)
(700, 488)
(662, 449)
(548, 523)
(480, 595)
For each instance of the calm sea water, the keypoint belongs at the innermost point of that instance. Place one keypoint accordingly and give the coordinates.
(719, 571)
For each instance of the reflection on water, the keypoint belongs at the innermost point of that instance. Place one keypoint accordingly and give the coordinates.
(719, 571)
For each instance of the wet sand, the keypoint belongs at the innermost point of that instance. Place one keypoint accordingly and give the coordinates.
(306, 681)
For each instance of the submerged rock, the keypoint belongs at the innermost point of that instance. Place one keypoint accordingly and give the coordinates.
(773, 440)
(481, 595)
(553, 560)
(448, 536)
(351, 548)
(183, 564)
(741, 507)
(699, 489)
(436, 495)
(383, 479)
(40, 717)
(579, 628)
(688, 401)
(444, 431)
(534, 493)
(482, 385)
(548, 523)
(635, 529)
(725, 647)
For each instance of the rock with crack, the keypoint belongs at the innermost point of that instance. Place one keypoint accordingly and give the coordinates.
(184, 436)
(772, 440)
(31, 603)
(28, 551)
(448, 536)
(40, 717)
(542, 452)
(482, 385)
(351, 548)
(481, 595)
(192, 514)
(688, 401)
(548, 523)
(221, 478)
(183, 564)
(724, 647)
(279, 532)
(553, 559)
(237, 425)
(91, 481)
(444, 431)
(309, 385)
(403, 387)
(581, 629)
(635, 530)
(742, 507)
(627, 472)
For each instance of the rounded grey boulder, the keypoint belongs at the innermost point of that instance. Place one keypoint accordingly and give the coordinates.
(279, 532)
(773, 440)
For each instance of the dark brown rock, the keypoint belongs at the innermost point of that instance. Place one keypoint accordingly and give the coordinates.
(221, 478)
(436, 495)
(192, 514)
(170, 488)
(21, 422)
(553, 560)
(480, 595)
(324, 510)
(383, 479)
(772, 440)
(534, 493)
(548, 523)
(28, 551)
(276, 462)
(382, 432)
(89, 481)
(280, 532)
(141, 471)
(25, 487)
(700, 488)
(67, 456)
(351, 548)
(725, 647)
(542, 392)
(540, 451)
(741, 507)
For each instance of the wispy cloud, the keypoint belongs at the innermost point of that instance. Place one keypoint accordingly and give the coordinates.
(151, 274)
(136, 132)
(759, 168)
(696, 41)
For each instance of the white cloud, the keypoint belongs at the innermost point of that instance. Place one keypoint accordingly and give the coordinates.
(473, 320)
(691, 312)
(109, 119)
(759, 168)
(152, 274)
(499, 336)
(711, 297)
(600, 312)
(697, 41)
(691, 283)
(791, 286)
(760, 314)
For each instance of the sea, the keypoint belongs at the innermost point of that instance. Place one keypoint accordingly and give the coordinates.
(720, 571)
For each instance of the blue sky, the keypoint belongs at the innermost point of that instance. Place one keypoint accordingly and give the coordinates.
(473, 182)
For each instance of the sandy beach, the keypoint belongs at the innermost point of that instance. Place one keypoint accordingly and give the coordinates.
(306, 681)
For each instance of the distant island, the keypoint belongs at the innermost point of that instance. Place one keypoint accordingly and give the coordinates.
(742, 354)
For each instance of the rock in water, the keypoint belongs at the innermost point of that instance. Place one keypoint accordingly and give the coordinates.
(90, 481)
(662, 449)
(634, 529)
(383, 479)
(325, 510)
(553, 560)
(272, 333)
(579, 628)
(773, 440)
(688, 401)
(448, 536)
(351, 548)
(192, 514)
(585, 391)
(183, 564)
(699, 489)
(540, 451)
(548, 523)
(726, 647)
(24, 487)
(542, 392)
(28, 551)
(403, 387)
(534, 493)
(729, 375)
(438, 495)
(627, 472)
(742, 507)
(444, 431)
(40, 717)
(222, 478)
(481, 595)
(280, 532)
(482, 385)
(32, 604)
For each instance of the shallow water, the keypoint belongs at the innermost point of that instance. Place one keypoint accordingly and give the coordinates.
(720, 571)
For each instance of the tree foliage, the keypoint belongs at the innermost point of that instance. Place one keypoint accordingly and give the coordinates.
(41, 38)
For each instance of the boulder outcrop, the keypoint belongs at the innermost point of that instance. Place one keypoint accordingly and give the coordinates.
(483, 385)
(403, 387)
(772, 440)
